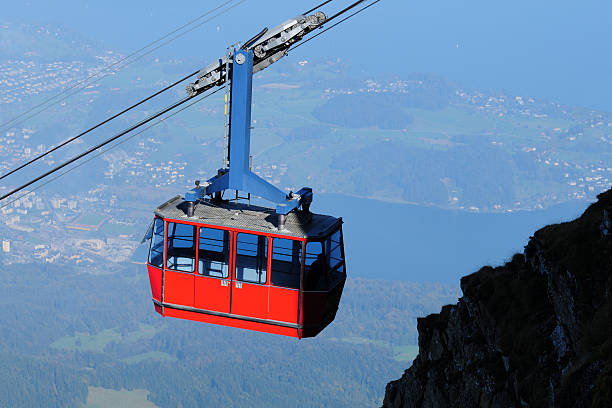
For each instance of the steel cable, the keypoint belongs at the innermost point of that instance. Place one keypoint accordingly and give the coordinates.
(163, 111)
(102, 152)
(338, 23)
(96, 126)
(316, 7)
(124, 61)
(96, 147)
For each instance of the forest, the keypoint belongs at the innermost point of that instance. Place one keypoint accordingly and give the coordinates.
(67, 332)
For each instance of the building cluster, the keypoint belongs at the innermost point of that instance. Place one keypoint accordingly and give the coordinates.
(69, 230)
(497, 105)
(20, 79)
(28, 75)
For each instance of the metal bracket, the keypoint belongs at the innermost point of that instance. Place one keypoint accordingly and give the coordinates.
(269, 46)
(238, 174)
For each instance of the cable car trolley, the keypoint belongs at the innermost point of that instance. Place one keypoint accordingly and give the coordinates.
(214, 257)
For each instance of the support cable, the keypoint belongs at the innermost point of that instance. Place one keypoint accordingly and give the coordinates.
(96, 126)
(338, 23)
(108, 149)
(314, 8)
(163, 111)
(344, 10)
(89, 80)
(99, 145)
(163, 90)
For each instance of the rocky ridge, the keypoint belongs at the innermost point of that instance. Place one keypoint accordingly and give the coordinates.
(535, 332)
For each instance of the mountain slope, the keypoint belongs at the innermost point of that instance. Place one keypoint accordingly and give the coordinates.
(535, 332)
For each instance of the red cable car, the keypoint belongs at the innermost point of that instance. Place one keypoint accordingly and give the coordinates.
(225, 262)
(228, 264)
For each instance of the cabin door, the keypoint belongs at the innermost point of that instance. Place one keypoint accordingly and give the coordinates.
(285, 274)
(212, 280)
(250, 290)
(180, 264)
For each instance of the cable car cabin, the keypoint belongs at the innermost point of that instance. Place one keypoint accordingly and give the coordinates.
(230, 265)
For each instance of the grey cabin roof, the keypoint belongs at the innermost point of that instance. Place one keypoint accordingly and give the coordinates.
(249, 217)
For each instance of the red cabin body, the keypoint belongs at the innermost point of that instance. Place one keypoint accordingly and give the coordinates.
(230, 265)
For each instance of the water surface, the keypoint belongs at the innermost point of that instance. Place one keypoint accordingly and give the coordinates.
(425, 244)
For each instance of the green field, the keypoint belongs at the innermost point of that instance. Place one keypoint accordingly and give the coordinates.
(98, 341)
(121, 229)
(150, 356)
(98, 397)
(404, 353)
(91, 219)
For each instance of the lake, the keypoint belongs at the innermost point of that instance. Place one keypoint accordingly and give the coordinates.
(424, 244)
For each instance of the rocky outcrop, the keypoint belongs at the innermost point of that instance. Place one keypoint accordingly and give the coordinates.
(535, 332)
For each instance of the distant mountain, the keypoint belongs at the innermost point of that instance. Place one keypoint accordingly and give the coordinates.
(535, 332)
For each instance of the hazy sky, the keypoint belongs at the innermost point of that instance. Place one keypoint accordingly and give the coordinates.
(560, 50)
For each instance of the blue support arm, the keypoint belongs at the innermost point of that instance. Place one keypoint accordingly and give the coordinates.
(238, 176)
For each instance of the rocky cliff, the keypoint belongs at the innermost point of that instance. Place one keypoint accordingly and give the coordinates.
(535, 332)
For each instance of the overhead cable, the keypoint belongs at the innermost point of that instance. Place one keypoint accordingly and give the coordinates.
(319, 6)
(122, 63)
(108, 149)
(99, 145)
(96, 126)
(338, 23)
(169, 108)
(344, 10)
